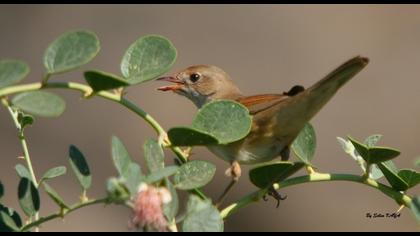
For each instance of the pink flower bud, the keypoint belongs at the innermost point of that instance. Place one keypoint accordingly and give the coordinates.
(148, 211)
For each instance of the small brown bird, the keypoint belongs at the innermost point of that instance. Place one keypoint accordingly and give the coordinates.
(277, 118)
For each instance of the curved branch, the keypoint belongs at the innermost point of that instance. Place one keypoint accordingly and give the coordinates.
(62, 213)
(317, 177)
(87, 91)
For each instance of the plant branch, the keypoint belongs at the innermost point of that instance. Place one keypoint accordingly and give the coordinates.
(87, 92)
(63, 212)
(24, 145)
(401, 198)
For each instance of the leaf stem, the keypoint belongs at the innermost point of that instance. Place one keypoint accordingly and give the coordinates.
(401, 198)
(87, 91)
(62, 213)
(24, 145)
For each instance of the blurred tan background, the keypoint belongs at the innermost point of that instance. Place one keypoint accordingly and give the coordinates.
(266, 49)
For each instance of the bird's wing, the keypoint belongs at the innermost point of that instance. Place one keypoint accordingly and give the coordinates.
(258, 103)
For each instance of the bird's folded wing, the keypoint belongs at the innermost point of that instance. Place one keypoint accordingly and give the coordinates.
(258, 103)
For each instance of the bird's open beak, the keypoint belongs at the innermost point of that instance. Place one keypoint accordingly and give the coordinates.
(178, 84)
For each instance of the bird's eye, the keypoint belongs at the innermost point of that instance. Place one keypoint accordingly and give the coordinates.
(195, 77)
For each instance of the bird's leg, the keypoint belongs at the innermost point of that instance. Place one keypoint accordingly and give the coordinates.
(233, 171)
(285, 153)
(276, 195)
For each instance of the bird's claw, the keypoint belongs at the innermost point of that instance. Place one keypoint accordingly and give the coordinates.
(276, 195)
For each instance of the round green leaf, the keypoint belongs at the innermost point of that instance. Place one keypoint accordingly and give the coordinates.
(360, 148)
(133, 177)
(202, 216)
(25, 120)
(117, 191)
(120, 156)
(161, 174)
(381, 154)
(305, 143)
(54, 196)
(80, 167)
(71, 50)
(28, 197)
(9, 219)
(411, 177)
(40, 103)
(23, 172)
(393, 178)
(171, 209)
(266, 174)
(12, 71)
(99, 80)
(185, 136)
(226, 120)
(153, 154)
(372, 140)
(194, 174)
(375, 172)
(54, 172)
(147, 58)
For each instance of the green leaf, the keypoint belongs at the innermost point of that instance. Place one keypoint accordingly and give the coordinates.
(99, 80)
(1, 190)
(161, 174)
(147, 58)
(381, 154)
(80, 167)
(415, 208)
(202, 216)
(40, 103)
(120, 156)
(411, 177)
(391, 165)
(185, 136)
(25, 120)
(417, 162)
(171, 209)
(305, 144)
(194, 174)
(12, 72)
(54, 172)
(117, 192)
(70, 51)
(153, 154)
(360, 148)
(264, 175)
(375, 172)
(28, 197)
(226, 120)
(55, 196)
(23, 172)
(5, 224)
(133, 177)
(374, 154)
(393, 178)
(372, 140)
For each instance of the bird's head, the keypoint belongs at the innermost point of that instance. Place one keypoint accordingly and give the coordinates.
(201, 84)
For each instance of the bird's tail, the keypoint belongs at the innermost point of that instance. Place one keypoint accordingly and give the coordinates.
(294, 112)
